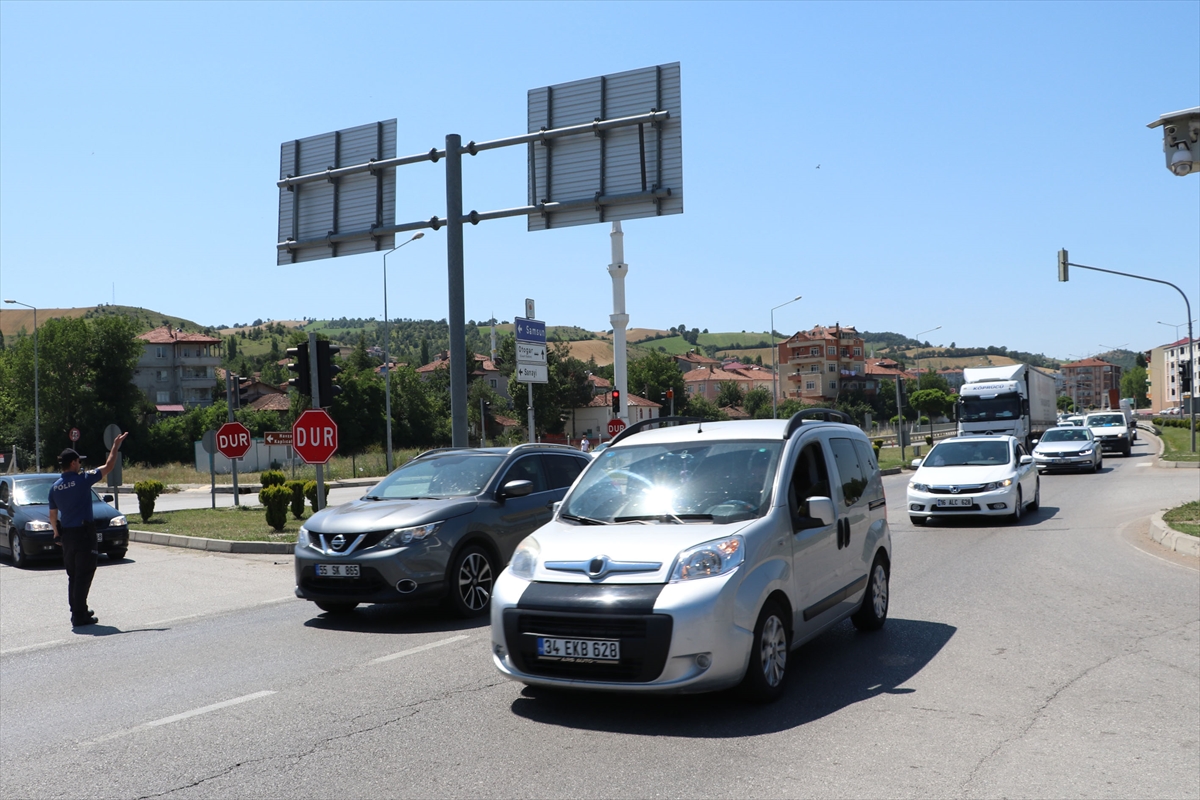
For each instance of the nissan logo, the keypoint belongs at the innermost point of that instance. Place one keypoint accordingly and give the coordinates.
(338, 542)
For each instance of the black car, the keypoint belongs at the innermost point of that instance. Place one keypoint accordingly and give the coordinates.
(25, 532)
(442, 526)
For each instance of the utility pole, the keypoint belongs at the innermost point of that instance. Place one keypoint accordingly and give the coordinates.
(617, 270)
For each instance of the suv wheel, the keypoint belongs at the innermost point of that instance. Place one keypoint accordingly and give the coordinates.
(768, 656)
(471, 578)
(873, 612)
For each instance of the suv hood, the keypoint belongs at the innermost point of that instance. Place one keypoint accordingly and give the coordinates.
(363, 516)
(631, 543)
(962, 476)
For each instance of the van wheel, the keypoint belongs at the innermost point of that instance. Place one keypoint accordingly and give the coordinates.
(768, 656)
(873, 612)
(336, 608)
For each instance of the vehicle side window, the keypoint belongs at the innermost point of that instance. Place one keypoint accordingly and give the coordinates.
(854, 482)
(810, 478)
(866, 459)
(529, 469)
(562, 470)
(4, 492)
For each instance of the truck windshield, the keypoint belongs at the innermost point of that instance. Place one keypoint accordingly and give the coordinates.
(980, 409)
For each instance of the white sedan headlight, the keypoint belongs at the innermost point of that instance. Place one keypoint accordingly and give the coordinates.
(1087, 452)
(918, 487)
(991, 487)
(708, 560)
(525, 558)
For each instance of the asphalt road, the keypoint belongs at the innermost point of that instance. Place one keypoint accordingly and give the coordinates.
(1056, 658)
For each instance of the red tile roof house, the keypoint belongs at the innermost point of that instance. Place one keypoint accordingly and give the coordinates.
(177, 370)
(484, 369)
(592, 419)
(707, 382)
(692, 360)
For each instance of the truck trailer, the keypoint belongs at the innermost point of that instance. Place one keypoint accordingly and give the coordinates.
(1016, 399)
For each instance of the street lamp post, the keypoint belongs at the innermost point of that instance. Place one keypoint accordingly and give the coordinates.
(37, 417)
(918, 360)
(387, 364)
(1064, 264)
(774, 360)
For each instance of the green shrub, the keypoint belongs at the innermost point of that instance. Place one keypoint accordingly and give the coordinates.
(929, 441)
(272, 477)
(310, 491)
(147, 492)
(275, 500)
(297, 490)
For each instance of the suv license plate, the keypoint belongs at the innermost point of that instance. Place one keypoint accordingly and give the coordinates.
(954, 501)
(337, 570)
(99, 536)
(578, 649)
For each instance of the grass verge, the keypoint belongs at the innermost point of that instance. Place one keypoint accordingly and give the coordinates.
(1185, 518)
(239, 524)
(366, 465)
(1177, 445)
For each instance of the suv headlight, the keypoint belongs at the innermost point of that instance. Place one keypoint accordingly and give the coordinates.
(525, 558)
(918, 487)
(403, 536)
(708, 560)
(36, 525)
(302, 539)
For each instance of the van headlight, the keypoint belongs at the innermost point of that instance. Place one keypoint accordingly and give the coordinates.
(708, 560)
(403, 536)
(525, 558)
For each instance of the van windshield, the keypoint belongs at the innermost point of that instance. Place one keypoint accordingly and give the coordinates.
(1098, 420)
(677, 482)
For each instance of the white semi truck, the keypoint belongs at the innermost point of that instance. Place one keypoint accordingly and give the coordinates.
(1016, 399)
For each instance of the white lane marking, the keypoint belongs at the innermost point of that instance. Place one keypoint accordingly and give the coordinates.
(177, 717)
(31, 647)
(420, 649)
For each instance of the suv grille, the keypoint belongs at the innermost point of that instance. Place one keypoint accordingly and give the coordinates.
(645, 640)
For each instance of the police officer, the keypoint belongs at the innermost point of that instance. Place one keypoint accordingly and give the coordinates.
(74, 528)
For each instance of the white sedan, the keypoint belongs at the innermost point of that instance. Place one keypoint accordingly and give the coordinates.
(974, 476)
(1067, 448)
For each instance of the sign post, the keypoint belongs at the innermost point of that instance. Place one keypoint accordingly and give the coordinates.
(615, 426)
(209, 443)
(531, 357)
(233, 442)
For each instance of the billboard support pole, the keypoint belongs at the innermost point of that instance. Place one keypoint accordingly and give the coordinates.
(454, 267)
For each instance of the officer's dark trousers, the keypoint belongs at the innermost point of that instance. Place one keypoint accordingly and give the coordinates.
(79, 557)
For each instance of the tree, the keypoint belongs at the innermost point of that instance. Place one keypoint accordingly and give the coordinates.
(757, 403)
(1140, 360)
(1065, 403)
(1133, 385)
(700, 406)
(730, 394)
(654, 374)
(931, 402)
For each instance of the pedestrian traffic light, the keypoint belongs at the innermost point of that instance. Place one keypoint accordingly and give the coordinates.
(616, 401)
(1062, 266)
(326, 369)
(302, 383)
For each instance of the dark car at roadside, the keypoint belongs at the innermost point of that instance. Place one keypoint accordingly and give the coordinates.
(440, 527)
(25, 532)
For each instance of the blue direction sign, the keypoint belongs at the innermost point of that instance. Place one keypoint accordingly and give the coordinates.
(531, 330)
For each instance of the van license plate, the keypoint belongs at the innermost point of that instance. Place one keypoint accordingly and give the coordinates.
(337, 570)
(578, 649)
(954, 501)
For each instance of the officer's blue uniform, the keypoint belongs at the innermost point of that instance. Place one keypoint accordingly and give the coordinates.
(72, 496)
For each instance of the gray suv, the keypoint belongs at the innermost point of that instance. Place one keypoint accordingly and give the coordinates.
(440, 527)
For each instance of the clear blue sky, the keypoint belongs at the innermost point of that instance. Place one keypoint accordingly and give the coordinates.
(960, 146)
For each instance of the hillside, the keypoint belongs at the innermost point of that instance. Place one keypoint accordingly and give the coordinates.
(12, 321)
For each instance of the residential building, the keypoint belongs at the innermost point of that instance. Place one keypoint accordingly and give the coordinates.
(1163, 366)
(692, 360)
(818, 364)
(760, 377)
(177, 370)
(484, 370)
(706, 383)
(1087, 382)
(592, 420)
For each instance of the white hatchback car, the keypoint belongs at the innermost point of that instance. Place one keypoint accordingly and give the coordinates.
(974, 475)
(697, 557)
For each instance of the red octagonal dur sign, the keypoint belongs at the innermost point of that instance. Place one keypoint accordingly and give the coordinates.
(233, 440)
(315, 436)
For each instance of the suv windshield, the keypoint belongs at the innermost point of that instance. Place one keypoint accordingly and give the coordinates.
(1105, 419)
(967, 454)
(441, 475)
(676, 482)
(1079, 435)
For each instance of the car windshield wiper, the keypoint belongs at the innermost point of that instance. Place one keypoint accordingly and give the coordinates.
(583, 520)
(650, 518)
(383, 497)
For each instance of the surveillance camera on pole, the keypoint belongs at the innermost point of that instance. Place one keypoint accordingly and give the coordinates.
(1181, 140)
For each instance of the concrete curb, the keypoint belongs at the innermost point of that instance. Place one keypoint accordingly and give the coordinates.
(1158, 459)
(1181, 543)
(212, 545)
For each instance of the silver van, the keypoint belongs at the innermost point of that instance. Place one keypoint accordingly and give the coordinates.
(694, 556)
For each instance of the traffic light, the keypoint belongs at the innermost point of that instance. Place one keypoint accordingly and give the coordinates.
(616, 398)
(1062, 266)
(326, 369)
(1185, 377)
(302, 383)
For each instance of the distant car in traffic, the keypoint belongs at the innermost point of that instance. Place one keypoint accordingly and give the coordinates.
(1067, 447)
(984, 475)
(25, 532)
(441, 526)
(1112, 431)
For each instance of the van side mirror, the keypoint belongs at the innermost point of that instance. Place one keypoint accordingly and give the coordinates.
(515, 489)
(1035, 441)
(821, 508)
(916, 462)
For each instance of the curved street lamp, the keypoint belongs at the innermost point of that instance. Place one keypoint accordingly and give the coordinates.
(774, 361)
(387, 364)
(37, 429)
(918, 359)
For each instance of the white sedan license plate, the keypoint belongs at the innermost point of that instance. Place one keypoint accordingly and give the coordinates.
(953, 501)
(337, 570)
(578, 649)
